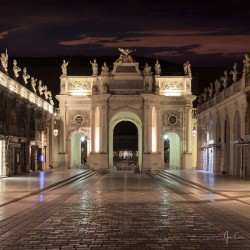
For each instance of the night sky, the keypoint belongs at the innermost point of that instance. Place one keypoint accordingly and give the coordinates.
(208, 33)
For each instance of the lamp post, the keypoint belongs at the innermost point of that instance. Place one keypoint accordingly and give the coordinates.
(55, 131)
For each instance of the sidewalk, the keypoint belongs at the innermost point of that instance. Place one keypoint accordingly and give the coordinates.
(232, 186)
(15, 187)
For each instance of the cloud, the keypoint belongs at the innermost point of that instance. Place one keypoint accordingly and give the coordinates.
(5, 33)
(199, 42)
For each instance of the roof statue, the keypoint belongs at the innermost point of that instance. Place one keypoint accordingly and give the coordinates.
(234, 72)
(25, 75)
(4, 61)
(94, 67)
(40, 87)
(224, 79)
(125, 56)
(157, 68)
(64, 67)
(105, 69)
(217, 84)
(16, 69)
(125, 52)
(246, 67)
(33, 84)
(187, 69)
(50, 98)
(147, 70)
(45, 92)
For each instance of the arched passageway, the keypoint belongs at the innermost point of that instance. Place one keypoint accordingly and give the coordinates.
(172, 149)
(78, 150)
(125, 146)
(128, 117)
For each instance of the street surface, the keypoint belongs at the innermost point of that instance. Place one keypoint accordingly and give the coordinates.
(124, 211)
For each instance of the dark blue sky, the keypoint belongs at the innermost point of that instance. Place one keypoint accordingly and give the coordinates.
(210, 33)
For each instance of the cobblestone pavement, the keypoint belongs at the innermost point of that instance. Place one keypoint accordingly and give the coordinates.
(123, 211)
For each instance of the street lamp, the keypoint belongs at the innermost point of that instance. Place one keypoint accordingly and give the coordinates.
(165, 137)
(194, 130)
(55, 131)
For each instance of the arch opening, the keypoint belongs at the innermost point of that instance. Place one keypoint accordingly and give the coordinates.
(172, 149)
(79, 150)
(125, 146)
(128, 124)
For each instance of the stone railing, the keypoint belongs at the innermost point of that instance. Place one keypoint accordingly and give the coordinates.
(23, 92)
(228, 92)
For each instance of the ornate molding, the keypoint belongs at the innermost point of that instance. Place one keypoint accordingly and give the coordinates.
(83, 114)
(167, 116)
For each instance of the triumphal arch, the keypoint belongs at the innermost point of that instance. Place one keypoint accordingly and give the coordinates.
(160, 107)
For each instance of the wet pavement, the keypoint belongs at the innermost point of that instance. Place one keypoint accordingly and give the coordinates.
(12, 188)
(124, 211)
(232, 186)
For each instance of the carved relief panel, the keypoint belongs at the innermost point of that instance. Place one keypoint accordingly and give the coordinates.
(79, 85)
(172, 86)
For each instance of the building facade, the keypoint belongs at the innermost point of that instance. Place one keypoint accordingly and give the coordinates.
(223, 122)
(25, 122)
(159, 106)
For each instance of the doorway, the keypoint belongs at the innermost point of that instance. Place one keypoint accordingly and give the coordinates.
(172, 149)
(78, 150)
(125, 146)
(125, 116)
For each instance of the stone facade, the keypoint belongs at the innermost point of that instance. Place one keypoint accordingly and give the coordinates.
(25, 124)
(223, 119)
(157, 105)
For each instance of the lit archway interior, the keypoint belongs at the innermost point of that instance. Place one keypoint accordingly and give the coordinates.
(78, 149)
(129, 117)
(125, 146)
(173, 141)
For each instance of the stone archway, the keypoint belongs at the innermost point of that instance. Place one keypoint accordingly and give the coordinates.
(79, 148)
(125, 116)
(174, 150)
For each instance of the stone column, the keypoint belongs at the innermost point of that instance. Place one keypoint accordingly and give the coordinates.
(92, 132)
(188, 130)
(158, 129)
(62, 148)
(104, 129)
(146, 129)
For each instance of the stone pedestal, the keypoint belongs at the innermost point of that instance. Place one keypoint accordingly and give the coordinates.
(188, 161)
(151, 162)
(99, 162)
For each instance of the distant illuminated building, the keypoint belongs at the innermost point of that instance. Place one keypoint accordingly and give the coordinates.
(92, 106)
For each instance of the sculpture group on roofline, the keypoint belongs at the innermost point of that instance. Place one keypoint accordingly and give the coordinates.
(24, 79)
(216, 87)
(125, 57)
